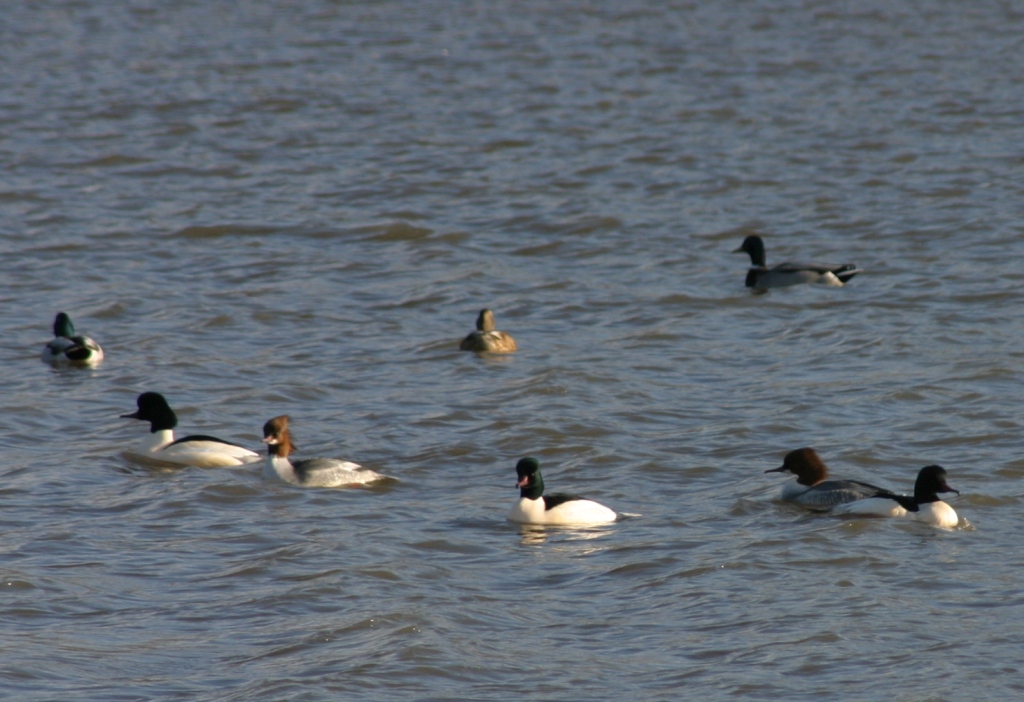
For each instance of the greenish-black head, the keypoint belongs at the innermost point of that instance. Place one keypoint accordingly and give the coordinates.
(62, 326)
(753, 245)
(530, 484)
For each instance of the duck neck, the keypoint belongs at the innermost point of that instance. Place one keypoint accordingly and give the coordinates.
(162, 421)
(279, 467)
(157, 439)
(63, 327)
(534, 489)
(282, 448)
(756, 252)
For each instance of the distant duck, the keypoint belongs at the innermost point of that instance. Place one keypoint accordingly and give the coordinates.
(308, 472)
(812, 487)
(486, 338)
(69, 349)
(760, 277)
(925, 506)
(534, 507)
(197, 450)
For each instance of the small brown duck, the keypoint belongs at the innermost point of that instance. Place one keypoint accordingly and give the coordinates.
(486, 338)
(308, 472)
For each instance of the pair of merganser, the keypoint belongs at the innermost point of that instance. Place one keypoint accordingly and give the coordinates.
(487, 339)
(210, 452)
(812, 488)
(68, 348)
(534, 507)
(760, 277)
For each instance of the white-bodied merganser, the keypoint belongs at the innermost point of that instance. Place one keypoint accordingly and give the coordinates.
(925, 506)
(197, 450)
(486, 338)
(308, 472)
(760, 277)
(812, 488)
(67, 348)
(534, 507)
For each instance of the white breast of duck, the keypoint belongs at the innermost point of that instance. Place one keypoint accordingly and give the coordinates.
(487, 339)
(924, 506)
(812, 487)
(199, 450)
(309, 472)
(534, 507)
(68, 348)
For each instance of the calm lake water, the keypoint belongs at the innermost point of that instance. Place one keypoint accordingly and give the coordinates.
(269, 208)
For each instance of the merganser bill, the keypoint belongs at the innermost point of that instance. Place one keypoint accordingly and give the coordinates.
(196, 450)
(67, 348)
(760, 277)
(812, 487)
(925, 505)
(534, 507)
(308, 472)
(486, 338)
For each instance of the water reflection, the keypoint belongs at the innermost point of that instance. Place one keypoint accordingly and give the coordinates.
(535, 534)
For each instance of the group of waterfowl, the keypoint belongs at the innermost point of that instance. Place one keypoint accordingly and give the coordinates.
(811, 488)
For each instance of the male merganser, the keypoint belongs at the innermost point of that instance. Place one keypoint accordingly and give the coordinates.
(925, 506)
(760, 277)
(198, 450)
(67, 348)
(534, 507)
(812, 488)
(487, 338)
(309, 472)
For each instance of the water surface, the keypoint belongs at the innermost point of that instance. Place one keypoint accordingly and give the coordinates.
(266, 208)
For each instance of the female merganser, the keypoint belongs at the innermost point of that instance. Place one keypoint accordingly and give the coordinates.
(812, 488)
(309, 472)
(66, 348)
(760, 277)
(534, 507)
(198, 450)
(486, 338)
(925, 506)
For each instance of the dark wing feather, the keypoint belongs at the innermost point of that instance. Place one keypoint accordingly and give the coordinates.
(829, 493)
(552, 501)
(796, 267)
(202, 437)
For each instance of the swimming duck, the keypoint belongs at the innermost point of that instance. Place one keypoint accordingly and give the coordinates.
(308, 472)
(197, 450)
(812, 488)
(486, 338)
(925, 505)
(69, 349)
(760, 277)
(534, 507)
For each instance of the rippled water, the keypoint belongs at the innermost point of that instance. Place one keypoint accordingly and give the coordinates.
(267, 208)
